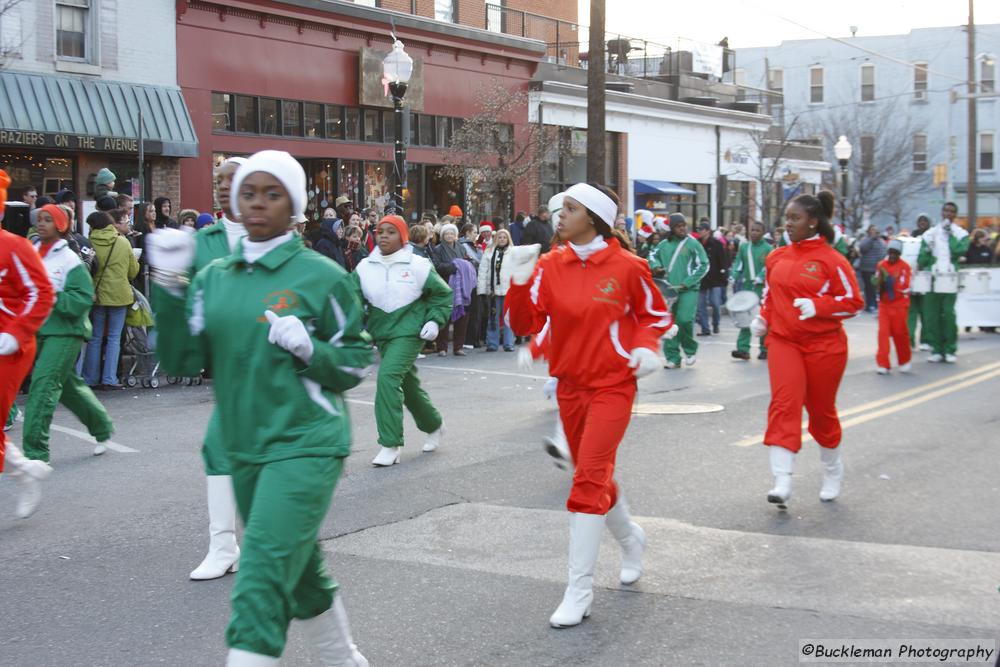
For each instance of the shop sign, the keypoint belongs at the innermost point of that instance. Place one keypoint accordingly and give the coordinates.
(71, 142)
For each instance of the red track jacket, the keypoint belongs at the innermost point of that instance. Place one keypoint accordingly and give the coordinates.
(598, 312)
(901, 273)
(810, 269)
(26, 295)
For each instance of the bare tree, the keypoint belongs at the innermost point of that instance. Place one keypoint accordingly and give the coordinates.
(881, 177)
(492, 155)
(11, 37)
(768, 149)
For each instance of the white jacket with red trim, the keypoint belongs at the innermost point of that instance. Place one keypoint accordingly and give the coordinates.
(597, 312)
(26, 295)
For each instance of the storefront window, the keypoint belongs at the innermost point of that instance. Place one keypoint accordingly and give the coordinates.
(371, 127)
(47, 175)
(269, 116)
(291, 118)
(426, 130)
(312, 115)
(735, 207)
(440, 191)
(334, 122)
(352, 124)
(389, 127)
(412, 201)
(378, 182)
(566, 161)
(350, 180)
(321, 185)
(246, 114)
(222, 120)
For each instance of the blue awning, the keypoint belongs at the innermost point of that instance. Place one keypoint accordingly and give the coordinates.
(660, 188)
(48, 111)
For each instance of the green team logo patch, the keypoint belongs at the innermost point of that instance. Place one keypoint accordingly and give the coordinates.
(608, 289)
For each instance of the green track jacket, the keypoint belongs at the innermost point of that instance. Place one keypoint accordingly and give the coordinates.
(401, 293)
(211, 243)
(741, 267)
(690, 266)
(74, 293)
(939, 247)
(271, 406)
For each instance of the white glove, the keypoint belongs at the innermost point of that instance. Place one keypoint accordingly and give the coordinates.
(806, 307)
(430, 331)
(170, 254)
(758, 327)
(671, 332)
(523, 258)
(8, 344)
(290, 334)
(644, 361)
(524, 359)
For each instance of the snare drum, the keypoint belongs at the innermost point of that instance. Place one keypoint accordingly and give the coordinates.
(743, 307)
(974, 282)
(921, 282)
(946, 283)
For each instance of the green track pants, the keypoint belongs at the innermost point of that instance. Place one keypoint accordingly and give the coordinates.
(684, 310)
(745, 339)
(398, 386)
(212, 452)
(282, 572)
(53, 381)
(940, 323)
(915, 319)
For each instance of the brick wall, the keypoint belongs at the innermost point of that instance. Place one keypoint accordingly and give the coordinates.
(472, 13)
(166, 181)
(622, 175)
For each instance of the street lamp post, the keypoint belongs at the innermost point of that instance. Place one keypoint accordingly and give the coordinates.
(842, 150)
(397, 67)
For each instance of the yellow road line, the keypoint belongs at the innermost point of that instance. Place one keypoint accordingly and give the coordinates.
(987, 372)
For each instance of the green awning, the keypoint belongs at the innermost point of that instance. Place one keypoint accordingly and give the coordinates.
(49, 111)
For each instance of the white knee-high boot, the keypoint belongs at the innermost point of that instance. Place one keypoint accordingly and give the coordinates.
(223, 552)
(239, 658)
(558, 448)
(585, 532)
(782, 463)
(833, 472)
(330, 634)
(26, 473)
(631, 537)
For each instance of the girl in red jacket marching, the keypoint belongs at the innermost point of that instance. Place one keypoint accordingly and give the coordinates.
(606, 318)
(809, 290)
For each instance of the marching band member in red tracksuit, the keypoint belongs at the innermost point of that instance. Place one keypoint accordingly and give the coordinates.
(892, 276)
(809, 290)
(26, 298)
(605, 318)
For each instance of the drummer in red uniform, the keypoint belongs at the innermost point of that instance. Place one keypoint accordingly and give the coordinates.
(892, 278)
(809, 290)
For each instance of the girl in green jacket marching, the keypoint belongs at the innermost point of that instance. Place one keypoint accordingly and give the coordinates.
(212, 243)
(749, 266)
(682, 262)
(280, 327)
(407, 303)
(54, 379)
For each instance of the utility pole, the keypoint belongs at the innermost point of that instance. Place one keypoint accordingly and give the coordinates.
(596, 95)
(972, 163)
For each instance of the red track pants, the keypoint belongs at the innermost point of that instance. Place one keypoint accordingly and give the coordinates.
(13, 369)
(892, 323)
(805, 374)
(595, 421)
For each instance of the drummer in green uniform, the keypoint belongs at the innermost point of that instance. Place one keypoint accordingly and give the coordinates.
(682, 262)
(749, 266)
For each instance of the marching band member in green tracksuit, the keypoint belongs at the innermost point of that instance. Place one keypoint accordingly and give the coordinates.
(940, 248)
(749, 266)
(407, 303)
(280, 327)
(682, 261)
(212, 243)
(54, 379)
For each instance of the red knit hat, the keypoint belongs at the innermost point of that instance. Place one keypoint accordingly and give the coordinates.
(399, 224)
(455, 211)
(58, 217)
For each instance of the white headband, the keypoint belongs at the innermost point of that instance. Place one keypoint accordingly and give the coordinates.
(595, 201)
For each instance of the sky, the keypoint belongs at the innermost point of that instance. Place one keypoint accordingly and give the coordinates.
(762, 22)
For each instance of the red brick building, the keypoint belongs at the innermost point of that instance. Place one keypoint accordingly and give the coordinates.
(304, 76)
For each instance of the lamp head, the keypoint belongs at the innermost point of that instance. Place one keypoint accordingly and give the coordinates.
(843, 149)
(398, 65)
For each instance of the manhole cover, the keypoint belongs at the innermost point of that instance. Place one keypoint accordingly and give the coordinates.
(676, 408)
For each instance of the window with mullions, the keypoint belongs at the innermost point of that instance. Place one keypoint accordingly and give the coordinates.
(291, 118)
(334, 121)
(222, 119)
(312, 119)
(389, 127)
(372, 131)
(246, 114)
(443, 139)
(72, 28)
(269, 116)
(352, 124)
(868, 82)
(426, 130)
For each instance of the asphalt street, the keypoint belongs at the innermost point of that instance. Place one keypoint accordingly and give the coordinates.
(458, 557)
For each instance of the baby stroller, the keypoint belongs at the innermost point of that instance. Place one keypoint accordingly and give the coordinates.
(138, 359)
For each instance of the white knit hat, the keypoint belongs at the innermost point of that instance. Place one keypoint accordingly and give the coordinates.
(449, 227)
(283, 167)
